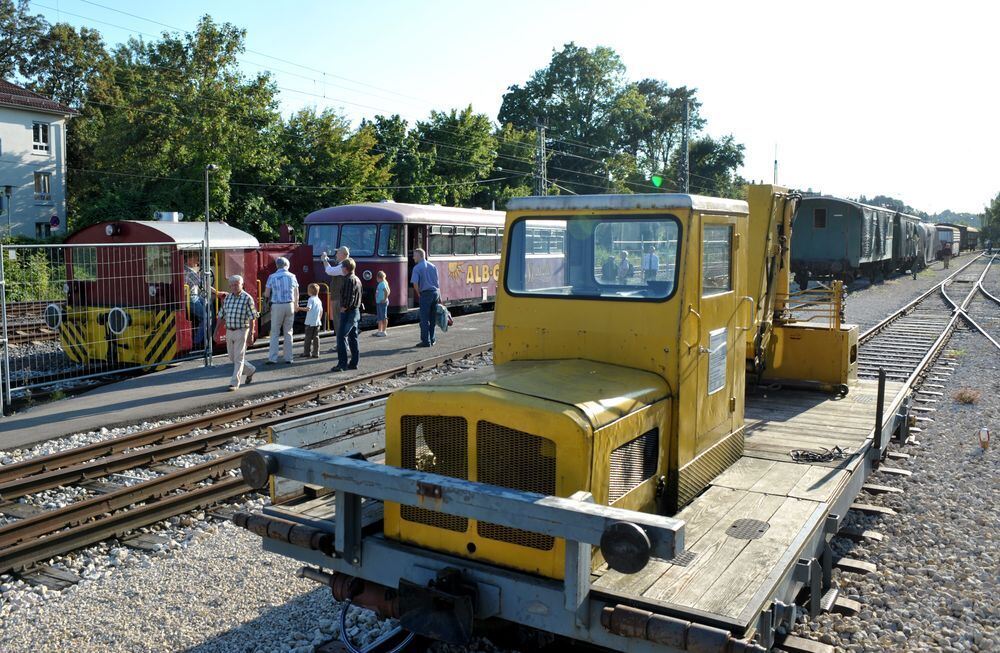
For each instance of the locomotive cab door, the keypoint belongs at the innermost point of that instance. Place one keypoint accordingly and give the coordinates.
(416, 237)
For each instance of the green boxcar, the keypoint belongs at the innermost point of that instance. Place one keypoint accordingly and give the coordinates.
(835, 238)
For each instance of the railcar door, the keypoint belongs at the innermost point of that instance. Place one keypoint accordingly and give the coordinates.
(416, 236)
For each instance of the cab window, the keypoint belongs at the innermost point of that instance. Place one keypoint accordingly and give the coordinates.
(84, 263)
(323, 238)
(359, 238)
(390, 240)
(717, 259)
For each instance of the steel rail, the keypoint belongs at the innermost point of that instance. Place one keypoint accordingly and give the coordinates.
(913, 304)
(178, 429)
(962, 310)
(20, 556)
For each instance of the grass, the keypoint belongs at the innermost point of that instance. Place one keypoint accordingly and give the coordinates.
(955, 353)
(966, 396)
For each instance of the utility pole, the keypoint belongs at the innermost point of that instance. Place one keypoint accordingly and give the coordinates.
(541, 181)
(775, 182)
(206, 277)
(685, 171)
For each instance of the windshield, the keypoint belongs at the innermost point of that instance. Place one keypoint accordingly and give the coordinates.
(323, 238)
(359, 238)
(625, 258)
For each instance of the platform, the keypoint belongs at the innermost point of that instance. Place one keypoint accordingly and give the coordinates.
(190, 387)
(726, 576)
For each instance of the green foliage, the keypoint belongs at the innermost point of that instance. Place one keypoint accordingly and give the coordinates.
(31, 276)
(990, 220)
(20, 31)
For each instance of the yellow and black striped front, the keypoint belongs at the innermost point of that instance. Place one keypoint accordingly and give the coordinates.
(149, 337)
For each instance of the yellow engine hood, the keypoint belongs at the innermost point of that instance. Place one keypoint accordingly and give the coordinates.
(602, 393)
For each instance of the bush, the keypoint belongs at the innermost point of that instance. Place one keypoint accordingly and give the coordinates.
(966, 396)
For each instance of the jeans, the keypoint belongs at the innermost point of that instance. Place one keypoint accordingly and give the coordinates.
(428, 320)
(347, 336)
(197, 322)
(311, 342)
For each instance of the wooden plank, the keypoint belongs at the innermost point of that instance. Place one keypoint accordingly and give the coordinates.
(780, 479)
(873, 510)
(732, 590)
(795, 644)
(859, 534)
(894, 471)
(715, 551)
(782, 456)
(742, 474)
(846, 606)
(818, 483)
(873, 488)
(898, 455)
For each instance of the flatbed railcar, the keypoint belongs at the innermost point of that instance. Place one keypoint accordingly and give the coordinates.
(381, 236)
(610, 480)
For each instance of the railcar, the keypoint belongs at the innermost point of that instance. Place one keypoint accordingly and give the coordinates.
(930, 243)
(841, 239)
(907, 242)
(463, 243)
(968, 236)
(131, 298)
(950, 239)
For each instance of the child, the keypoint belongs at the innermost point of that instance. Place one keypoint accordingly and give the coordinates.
(381, 305)
(314, 312)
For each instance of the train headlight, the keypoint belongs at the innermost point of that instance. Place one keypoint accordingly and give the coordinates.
(367, 275)
(117, 321)
(53, 316)
(66, 288)
(152, 290)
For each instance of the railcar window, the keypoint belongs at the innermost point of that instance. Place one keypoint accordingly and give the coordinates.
(486, 240)
(323, 238)
(158, 259)
(588, 257)
(359, 238)
(465, 240)
(819, 218)
(717, 259)
(440, 242)
(84, 263)
(390, 240)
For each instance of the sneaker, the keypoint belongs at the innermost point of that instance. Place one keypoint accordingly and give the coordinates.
(338, 369)
(270, 362)
(352, 367)
(380, 334)
(249, 379)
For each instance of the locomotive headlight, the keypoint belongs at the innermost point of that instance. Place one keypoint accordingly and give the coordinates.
(367, 275)
(118, 320)
(53, 316)
(152, 290)
(66, 288)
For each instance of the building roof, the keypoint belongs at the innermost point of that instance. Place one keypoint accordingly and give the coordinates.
(665, 201)
(12, 95)
(220, 234)
(401, 212)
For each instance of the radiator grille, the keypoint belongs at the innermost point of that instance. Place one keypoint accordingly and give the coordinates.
(632, 463)
(439, 445)
(519, 461)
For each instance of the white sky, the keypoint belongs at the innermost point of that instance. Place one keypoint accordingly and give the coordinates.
(877, 97)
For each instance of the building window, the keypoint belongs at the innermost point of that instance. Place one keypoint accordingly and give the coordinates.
(40, 137)
(819, 218)
(42, 230)
(43, 186)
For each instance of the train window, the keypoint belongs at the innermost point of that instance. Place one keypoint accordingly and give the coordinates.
(323, 238)
(486, 240)
(819, 218)
(717, 259)
(390, 240)
(84, 263)
(465, 240)
(588, 257)
(440, 243)
(359, 238)
(158, 259)
(500, 239)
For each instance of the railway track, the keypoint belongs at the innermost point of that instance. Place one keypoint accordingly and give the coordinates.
(26, 322)
(112, 510)
(904, 343)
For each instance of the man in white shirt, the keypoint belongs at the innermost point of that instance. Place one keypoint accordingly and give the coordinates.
(282, 290)
(650, 263)
(336, 274)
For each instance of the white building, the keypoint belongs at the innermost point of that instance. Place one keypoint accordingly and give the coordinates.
(32, 163)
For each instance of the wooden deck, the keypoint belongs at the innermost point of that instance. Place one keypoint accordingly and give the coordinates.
(722, 574)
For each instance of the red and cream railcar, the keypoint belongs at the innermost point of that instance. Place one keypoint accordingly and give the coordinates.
(464, 244)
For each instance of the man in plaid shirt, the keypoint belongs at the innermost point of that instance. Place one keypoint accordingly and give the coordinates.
(239, 313)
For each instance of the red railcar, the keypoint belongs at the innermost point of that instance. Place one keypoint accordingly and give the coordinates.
(464, 244)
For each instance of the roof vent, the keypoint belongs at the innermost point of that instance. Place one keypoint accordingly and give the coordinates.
(168, 216)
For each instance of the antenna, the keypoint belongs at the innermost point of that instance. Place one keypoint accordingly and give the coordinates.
(775, 182)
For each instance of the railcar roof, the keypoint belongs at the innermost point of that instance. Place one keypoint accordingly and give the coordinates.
(401, 212)
(855, 204)
(220, 234)
(665, 201)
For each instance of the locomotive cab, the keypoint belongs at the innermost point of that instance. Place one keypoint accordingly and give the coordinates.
(619, 370)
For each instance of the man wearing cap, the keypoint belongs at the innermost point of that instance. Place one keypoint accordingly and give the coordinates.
(238, 313)
(282, 290)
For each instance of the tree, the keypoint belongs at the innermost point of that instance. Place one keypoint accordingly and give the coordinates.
(990, 220)
(513, 166)
(464, 150)
(20, 32)
(65, 62)
(408, 167)
(713, 164)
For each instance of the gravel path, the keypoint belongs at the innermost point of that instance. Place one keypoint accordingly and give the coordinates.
(937, 584)
(868, 304)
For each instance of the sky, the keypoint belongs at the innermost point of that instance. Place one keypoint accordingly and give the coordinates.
(859, 98)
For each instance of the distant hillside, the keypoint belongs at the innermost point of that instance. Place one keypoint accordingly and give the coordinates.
(971, 219)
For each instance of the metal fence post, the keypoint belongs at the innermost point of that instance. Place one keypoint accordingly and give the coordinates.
(206, 297)
(5, 374)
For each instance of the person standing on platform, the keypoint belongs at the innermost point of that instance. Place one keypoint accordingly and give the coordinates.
(650, 263)
(282, 290)
(350, 315)
(238, 313)
(336, 274)
(425, 285)
(314, 315)
(381, 305)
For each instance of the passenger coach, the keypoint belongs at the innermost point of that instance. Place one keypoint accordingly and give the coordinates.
(463, 243)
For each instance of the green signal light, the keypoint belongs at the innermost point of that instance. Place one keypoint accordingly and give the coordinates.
(657, 180)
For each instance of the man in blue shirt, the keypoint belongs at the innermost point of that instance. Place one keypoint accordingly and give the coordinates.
(425, 285)
(282, 290)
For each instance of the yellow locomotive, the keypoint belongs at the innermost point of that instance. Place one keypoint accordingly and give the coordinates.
(626, 384)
